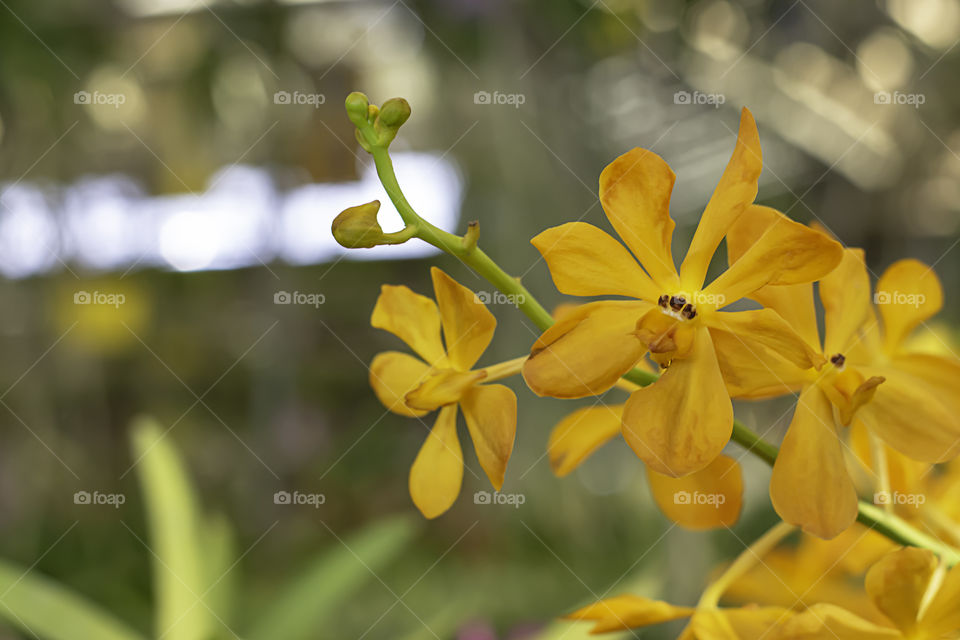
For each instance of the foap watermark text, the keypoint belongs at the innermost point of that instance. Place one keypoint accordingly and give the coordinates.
(897, 97)
(297, 498)
(699, 97)
(511, 99)
(97, 98)
(97, 498)
(299, 98)
(699, 498)
(99, 297)
(898, 498)
(898, 297)
(299, 297)
(485, 497)
(498, 297)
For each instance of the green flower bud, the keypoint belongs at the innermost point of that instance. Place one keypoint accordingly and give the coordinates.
(357, 227)
(394, 112)
(357, 105)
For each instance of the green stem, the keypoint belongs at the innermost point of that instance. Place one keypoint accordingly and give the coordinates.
(753, 443)
(902, 532)
(470, 254)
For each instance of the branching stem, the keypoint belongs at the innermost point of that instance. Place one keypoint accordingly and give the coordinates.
(465, 248)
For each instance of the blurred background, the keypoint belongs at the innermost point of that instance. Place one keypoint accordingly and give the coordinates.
(168, 174)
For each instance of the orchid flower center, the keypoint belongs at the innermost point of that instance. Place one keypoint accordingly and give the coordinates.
(441, 387)
(677, 306)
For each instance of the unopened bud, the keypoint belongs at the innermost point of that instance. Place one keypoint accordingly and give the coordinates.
(357, 105)
(394, 112)
(357, 227)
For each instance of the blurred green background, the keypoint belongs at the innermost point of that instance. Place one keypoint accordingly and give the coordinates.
(190, 156)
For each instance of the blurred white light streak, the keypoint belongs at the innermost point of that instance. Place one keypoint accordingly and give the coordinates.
(28, 232)
(107, 222)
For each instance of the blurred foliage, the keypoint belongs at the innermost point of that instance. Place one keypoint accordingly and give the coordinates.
(193, 564)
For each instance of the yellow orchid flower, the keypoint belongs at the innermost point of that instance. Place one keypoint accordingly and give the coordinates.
(680, 423)
(941, 510)
(707, 499)
(906, 399)
(632, 612)
(915, 411)
(815, 571)
(918, 598)
(919, 492)
(444, 380)
(708, 621)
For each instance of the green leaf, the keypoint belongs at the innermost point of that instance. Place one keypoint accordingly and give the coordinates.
(219, 554)
(312, 601)
(175, 541)
(41, 607)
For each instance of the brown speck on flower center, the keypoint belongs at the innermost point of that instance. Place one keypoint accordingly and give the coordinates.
(838, 360)
(677, 306)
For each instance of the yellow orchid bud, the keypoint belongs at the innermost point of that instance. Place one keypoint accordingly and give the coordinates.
(357, 227)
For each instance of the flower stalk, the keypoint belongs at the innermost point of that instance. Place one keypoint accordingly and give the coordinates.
(375, 133)
(463, 247)
(744, 562)
(902, 532)
(504, 369)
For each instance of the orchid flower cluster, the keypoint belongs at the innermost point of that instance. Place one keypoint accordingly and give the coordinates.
(874, 415)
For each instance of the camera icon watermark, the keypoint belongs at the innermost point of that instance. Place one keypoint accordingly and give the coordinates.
(511, 99)
(896, 97)
(297, 498)
(296, 297)
(699, 98)
(696, 498)
(485, 497)
(898, 498)
(95, 98)
(498, 297)
(299, 98)
(898, 297)
(96, 498)
(99, 297)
